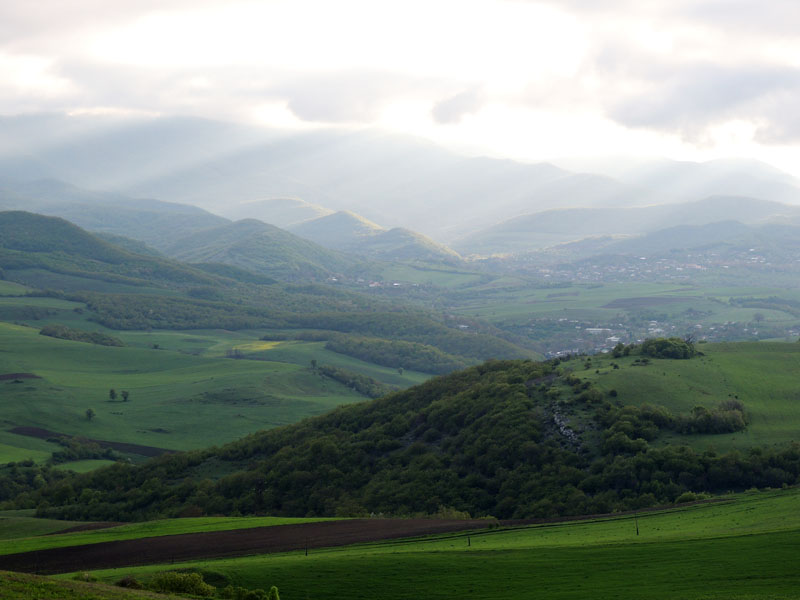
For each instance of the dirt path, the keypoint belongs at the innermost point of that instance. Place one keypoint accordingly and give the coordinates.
(218, 544)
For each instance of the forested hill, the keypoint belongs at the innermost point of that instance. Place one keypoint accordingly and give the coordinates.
(32, 241)
(261, 248)
(511, 439)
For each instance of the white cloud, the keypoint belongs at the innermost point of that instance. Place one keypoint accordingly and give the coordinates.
(455, 108)
(671, 75)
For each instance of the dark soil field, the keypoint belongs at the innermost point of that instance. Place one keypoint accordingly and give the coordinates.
(17, 376)
(218, 544)
(44, 434)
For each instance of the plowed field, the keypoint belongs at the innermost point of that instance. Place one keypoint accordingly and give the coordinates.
(218, 544)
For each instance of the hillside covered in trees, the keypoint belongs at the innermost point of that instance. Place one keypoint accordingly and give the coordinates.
(510, 439)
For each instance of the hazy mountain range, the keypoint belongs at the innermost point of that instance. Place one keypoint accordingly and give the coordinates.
(367, 194)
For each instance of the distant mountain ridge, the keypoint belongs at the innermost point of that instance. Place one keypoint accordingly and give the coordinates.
(552, 227)
(393, 180)
(349, 232)
(33, 241)
(260, 248)
(151, 221)
(282, 212)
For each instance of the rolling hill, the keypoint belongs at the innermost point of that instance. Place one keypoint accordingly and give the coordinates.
(261, 248)
(151, 221)
(30, 241)
(281, 212)
(552, 227)
(509, 439)
(352, 233)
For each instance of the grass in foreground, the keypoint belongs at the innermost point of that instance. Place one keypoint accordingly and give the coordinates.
(19, 586)
(134, 531)
(745, 548)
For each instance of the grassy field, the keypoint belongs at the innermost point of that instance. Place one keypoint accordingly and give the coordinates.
(516, 301)
(13, 528)
(177, 400)
(762, 375)
(745, 547)
(439, 277)
(19, 586)
(9, 288)
(24, 534)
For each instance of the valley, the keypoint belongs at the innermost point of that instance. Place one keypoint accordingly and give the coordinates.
(324, 389)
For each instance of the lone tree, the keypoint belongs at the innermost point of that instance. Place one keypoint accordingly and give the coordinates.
(112, 394)
(125, 395)
(89, 414)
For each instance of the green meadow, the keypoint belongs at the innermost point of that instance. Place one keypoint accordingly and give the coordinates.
(177, 400)
(511, 300)
(419, 275)
(743, 547)
(762, 375)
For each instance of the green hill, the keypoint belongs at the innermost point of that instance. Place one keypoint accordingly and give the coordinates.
(260, 248)
(353, 233)
(341, 230)
(151, 221)
(35, 242)
(281, 212)
(508, 439)
(551, 227)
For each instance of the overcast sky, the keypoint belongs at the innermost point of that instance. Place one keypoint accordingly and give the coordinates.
(686, 79)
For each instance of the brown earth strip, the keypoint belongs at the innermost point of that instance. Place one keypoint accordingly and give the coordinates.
(223, 544)
(89, 527)
(44, 434)
(10, 376)
(268, 540)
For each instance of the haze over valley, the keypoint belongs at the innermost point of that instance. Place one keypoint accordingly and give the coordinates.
(376, 300)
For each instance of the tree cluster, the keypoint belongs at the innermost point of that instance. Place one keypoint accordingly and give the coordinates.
(396, 353)
(90, 337)
(484, 441)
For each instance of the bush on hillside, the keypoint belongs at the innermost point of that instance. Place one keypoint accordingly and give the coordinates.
(181, 583)
(668, 348)
(90, 337)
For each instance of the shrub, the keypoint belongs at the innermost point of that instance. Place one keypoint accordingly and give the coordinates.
(129, 581)
(239, 593)
(686, 497)
(668, 348)
(181, 583)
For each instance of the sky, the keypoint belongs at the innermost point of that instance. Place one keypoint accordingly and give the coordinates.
(530, 80)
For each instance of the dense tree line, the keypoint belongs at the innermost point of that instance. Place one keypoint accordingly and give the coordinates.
(77, 448)
(18, 480)
(486, 441)
(414, 328)
(396, 353)
(668, 348)
(362, 384)
(90, 337)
